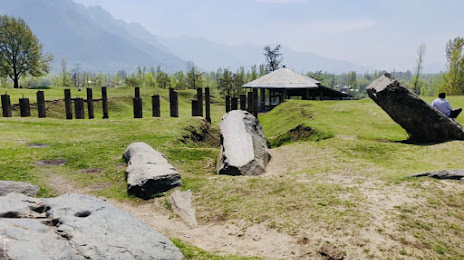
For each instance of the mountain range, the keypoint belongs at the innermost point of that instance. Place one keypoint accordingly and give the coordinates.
(94, 39)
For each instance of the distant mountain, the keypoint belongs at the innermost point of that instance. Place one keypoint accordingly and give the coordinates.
(90, 36)
(209, 55)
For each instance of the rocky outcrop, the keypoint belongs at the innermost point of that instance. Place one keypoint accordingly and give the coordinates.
(76, 227)
(20, 187)
(443, 174)
(422, 122)
(243, 145)
(148, 172)
(181, 202)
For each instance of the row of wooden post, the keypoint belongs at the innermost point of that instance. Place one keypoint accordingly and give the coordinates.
(25, 111)
(250, 106)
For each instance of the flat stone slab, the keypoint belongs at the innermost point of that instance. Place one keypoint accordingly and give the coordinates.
(148, 172)
(19, 187)
(75, 226)
(243, 145)
(422, 122)
(443, 174)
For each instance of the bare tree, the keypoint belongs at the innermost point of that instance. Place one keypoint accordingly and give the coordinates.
(273, 57)
(418, 69)
(76, 77)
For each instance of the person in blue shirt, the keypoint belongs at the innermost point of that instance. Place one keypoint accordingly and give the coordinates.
(442, 105)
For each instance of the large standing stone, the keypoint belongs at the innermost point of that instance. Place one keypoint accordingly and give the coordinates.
(419, 119)
(148, 172)
(243, 145)
(20, 187)
(76, 227)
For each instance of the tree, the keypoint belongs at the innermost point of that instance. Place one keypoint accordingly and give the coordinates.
(65, 78)
(193, 79)
(77, 78)
(273, 57)
(226, 83)
(162, 79)
(454, 78)
(20, 51)
(418, 69)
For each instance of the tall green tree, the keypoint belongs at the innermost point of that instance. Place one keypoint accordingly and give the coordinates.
(20, 51)
(454, 78)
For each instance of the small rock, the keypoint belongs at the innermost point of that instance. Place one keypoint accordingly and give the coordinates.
(20, 187)
(38, 145)
(181, 202)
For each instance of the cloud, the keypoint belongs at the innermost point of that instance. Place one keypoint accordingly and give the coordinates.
(338, 26)
(282, 1)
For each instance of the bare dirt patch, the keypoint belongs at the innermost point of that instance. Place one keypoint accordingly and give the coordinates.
(38, 145)
(51, 162)
(91, 171)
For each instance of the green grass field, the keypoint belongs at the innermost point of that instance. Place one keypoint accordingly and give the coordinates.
(349, 191)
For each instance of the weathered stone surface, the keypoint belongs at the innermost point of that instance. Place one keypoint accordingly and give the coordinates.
(421, 121)
(76, 227)
(181, 202)
(243, 145)
(443, 174)
(19, 187)
(148, 172)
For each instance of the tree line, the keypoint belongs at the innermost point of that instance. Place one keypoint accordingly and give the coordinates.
(22, 58)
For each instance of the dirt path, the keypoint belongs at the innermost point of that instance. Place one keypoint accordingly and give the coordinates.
(223, 239)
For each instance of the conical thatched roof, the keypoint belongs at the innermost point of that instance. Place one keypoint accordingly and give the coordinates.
(283, 78)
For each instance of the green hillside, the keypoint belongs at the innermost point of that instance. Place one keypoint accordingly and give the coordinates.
(347, 190)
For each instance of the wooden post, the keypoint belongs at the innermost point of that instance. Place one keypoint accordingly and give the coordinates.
(255, 102)
(90, 103)
(243, 102)
(227, 104)
(200, 101)
(306, 94)
(173, 103)
(41, 104)
(105, 103)
(234, 104)
(155, 105)
(207, 105)
(24, 107)
(284, 95)
(195, 108)
(79, 107)
(6, 106)
(262, 101)
(137, 92)
(137, 104)
(250, 102)
(68, 104)
(322, 95)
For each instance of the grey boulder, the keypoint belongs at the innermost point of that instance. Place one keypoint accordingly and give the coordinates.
(20, 187)
(243, 145)
(76, 227)
(422, 122)
(148, 172)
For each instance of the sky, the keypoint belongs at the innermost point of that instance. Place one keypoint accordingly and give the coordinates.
(371, 33)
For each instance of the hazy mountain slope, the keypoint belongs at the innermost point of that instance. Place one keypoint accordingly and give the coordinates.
(209, 55)
(89, 36)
